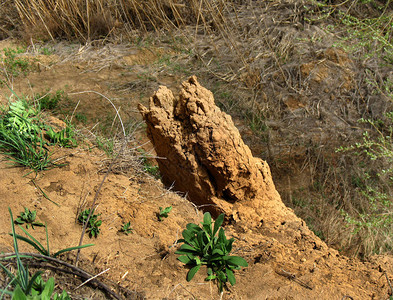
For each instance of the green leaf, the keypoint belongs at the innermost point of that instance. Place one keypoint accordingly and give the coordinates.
(49, 288)
(18, 294)
(192, 272)
(207, 218)
(32, 280)
(184, 259)
(187, 248)
(218, 223)
(188, 236)
(221, 236)
(231, 276)
(71, 249)
(221, 276)
(193, 227)
(218, 251)
(236, 261)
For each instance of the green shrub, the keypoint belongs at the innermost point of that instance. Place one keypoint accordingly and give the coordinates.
(203, 247)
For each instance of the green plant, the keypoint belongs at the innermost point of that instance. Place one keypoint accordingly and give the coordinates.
(81, 117)
(49, 101)
(126, 228)
(14, 65)
(163, 213)
(64, 138)
(21, 136)
(26, 287)
(28, 217)
(24, 136)
(374, 155)
(40, 248)
(147, 165)
(203, 247)
(93, 225)
(105, 144)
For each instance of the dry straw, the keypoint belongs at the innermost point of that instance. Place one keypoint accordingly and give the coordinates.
(86, 20)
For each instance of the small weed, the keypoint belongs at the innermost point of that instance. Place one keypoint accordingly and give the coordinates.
(164, 213)
(14, 65)
(126, 228)
(94, 224)
(46, 51)
(21, 137)
(80, 117)
(105, 144)
(148, 167)
(28, 217)
(202, 247)
(49, 101)
(64, 138)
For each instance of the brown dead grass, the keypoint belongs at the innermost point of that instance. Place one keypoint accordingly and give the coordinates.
(87, 20)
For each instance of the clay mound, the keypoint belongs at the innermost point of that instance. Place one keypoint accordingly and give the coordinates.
(206, 157)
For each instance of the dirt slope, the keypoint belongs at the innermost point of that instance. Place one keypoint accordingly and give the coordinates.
(286, 260)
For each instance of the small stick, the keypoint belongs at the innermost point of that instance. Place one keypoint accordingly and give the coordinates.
(91, 278)
(293, 277)
(387, 278)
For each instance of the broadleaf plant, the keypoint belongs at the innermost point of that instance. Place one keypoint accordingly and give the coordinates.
(208, 245)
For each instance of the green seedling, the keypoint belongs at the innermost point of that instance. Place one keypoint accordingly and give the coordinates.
(126, 228)
(93, 225)
(164, 213)
(203, 247)
(28, 217)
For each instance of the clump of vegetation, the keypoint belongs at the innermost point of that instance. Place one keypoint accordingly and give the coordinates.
(373, 215)
(163, 213)
(23, 136)
(63, 138)
(126, 228)
(26, 287)
(105, 144)
(14, 64)
(148, 167)
(49, 101)
(202, 246)
(93, 226)
(28, 217)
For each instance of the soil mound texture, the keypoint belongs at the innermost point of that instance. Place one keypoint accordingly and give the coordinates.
(205, 156)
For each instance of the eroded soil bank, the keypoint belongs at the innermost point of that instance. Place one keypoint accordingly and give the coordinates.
(286, 260)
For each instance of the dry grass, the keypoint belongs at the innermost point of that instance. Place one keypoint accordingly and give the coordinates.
(86, 20)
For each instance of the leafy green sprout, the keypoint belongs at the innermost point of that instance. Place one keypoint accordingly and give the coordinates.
(93, 226)
(126, 228)
(28, 217)
(163, 213)
(208, 245)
